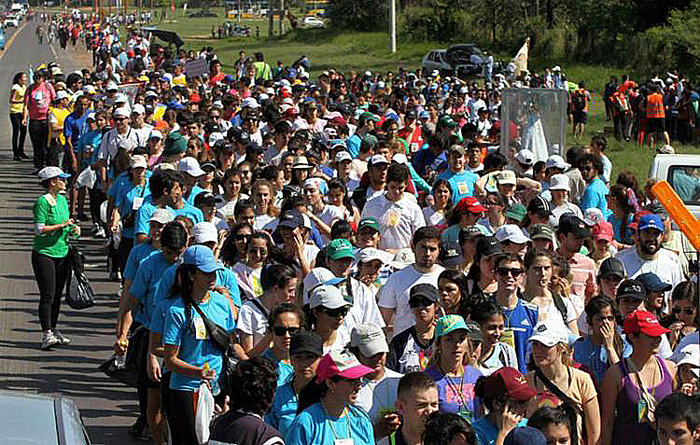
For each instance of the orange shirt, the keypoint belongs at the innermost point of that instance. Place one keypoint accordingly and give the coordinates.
(655, 106)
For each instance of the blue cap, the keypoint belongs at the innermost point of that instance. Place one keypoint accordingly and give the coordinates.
(202, 257)
(651, 222)
(424, 115)
(525, 435)
(652, 282)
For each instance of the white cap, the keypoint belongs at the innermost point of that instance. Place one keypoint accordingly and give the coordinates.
(138, 161)
(214, 137)
(666, 150)
(368, 73)
(62, 95)
(377, 159)
(167, 76)
(689, 355)
(559, 182)
(435, 73)
(155, 134)
(370, 254)
(342, 156)
(556, 68)
(111, 85)
(162, 216)
(312, 182)
(52, 172)
(327, 296)
(90, 89)
(262, 97)
(190, 166)
(122, 112)
(250, 102)
(150, 93)
(317, 275)
(549, 334)
(399, 158)
(512, 233)
(556, 161)
(525, 156)
(120, 97)
(369, 339)
(592, 216)
(138, 109)
(205, 232)
(506, 177)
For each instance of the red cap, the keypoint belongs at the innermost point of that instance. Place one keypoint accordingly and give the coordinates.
(194, 98)
(644, 322)
(602, 230)
(338, 121)
(469, 204)
(508, 382)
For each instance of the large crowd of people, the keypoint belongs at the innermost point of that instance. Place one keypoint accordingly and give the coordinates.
(349, 258)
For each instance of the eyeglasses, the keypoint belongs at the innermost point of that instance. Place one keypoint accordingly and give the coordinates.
(420, 302)
(241, 237)
(336, 313)
(214, 116)
(686, 311)
(504, 271)
(281, 331)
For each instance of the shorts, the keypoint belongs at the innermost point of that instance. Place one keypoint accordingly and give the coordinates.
(656, 125)
(580, 117)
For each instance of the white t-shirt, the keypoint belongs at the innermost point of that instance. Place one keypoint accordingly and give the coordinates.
(329, 215)
(550, 313)
(375, 397)
(262, 221)
(396, 292)
(502, 355)
(666, 266)
(342, 338)
(248, 279)
(398, 221)
(252, 321)
(433, 218)
(225, 210)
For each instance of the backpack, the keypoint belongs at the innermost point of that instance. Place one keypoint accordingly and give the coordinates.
(579, 100)
(139, 65)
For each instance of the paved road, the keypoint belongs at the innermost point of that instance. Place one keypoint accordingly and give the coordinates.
(108, 408)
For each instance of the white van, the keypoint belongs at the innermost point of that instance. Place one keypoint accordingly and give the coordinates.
(682, 171)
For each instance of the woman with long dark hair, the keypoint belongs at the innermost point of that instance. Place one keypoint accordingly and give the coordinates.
(684, 313)
(285, 322)
(189, 349)
(453, 293)
(19, 131)
(622, 214)
(247, 271)
(235, 248)
(326, 412)
(481, 278)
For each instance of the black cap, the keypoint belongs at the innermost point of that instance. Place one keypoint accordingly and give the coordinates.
(306, 342)
(658, 209)
(411, 114)
(542, 231)
(612, 266)
(474, 331)
(425, 290)
(488, 245)
(539, 205)
(450, 254)
(631, 289)
(652, 283)
(570, 223)
(206, 198)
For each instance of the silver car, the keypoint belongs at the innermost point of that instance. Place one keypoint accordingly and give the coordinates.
(34, 419)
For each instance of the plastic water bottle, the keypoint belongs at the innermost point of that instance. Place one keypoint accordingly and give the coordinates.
(120, 360)
(214, 383)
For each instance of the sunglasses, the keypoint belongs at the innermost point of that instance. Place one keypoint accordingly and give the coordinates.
(504, 271)
(241, 237)
(686, 311)
(419, 303)
(336, 313)
(119, 119)
(281, 331)
(214, 116)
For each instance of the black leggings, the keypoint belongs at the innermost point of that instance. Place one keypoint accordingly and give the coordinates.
(39, 134)
(51, 274)
(125, 246)
(181, 412)
(97, 197)
(19, 133)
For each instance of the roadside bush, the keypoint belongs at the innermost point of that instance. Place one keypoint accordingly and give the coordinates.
(359, 15)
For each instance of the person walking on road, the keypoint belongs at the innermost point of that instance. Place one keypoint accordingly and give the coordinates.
(52, 226)
(19, 130)
(37, 100)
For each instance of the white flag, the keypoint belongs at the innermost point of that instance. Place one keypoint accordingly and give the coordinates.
(520, 59)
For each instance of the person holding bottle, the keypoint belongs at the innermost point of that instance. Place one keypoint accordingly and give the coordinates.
(50, 261)
(190, 352)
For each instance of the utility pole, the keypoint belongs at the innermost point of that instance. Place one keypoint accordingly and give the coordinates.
(392, 25)
(281, 12)
(271, 15)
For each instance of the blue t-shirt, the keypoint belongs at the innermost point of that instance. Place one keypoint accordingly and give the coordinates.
(353, 144)
(595, 357)
(92, 138)
(425, 161)
(148, 275)
(617, 227)
(284, 407)
(521, 320)
(456, 394)
(462, 184)
(594, 195)
(313, 427)
(137, 254)
(73, 127)
(487, 432)
(196, 190)
(284, 370)
(196, 348)
(124, 201)
(144, 214)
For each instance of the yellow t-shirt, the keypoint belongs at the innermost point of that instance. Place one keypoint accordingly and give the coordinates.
(180, 80)
(57, 117)
(17, 98)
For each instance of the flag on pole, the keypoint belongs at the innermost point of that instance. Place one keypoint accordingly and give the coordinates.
(520, 59)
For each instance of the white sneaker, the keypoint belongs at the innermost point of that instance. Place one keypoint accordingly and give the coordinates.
(100, 233)
(49, 340)
(61, 338)
(95, 229)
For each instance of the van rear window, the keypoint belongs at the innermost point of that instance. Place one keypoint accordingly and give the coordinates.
(685, 180)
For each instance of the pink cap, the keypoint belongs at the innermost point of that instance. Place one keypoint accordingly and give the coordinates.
(602, 230)
(340, 363)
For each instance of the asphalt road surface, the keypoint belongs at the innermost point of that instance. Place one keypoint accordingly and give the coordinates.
(108, 408)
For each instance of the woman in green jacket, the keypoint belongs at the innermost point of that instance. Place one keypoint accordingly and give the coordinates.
(52, 226)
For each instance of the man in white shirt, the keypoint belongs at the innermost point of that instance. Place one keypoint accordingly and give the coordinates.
(394, 295)
(398, 213)
(648, 256)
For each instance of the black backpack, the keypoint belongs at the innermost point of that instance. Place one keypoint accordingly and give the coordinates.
(139, 64)
(579, 100)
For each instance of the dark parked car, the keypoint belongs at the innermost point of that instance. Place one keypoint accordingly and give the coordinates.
(46, 420)
(202, 14)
